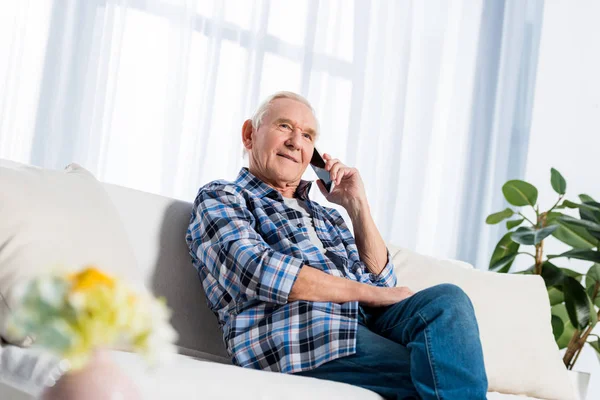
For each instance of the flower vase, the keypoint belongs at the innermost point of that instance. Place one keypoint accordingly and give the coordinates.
(99, 379)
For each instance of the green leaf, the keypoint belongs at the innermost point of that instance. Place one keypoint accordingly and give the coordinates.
(502, 266)
(558, 182)
(569, 204)
(574, 236)
(589, 225)
(499, 216)
(530, 236)
(588, 205)
(557, 327)
(504, 253)
(528, 271)
(520, 193)
(560, 311)
(571, 273)
(580, 254)
(514, 223)
(590, 211)
(585, 197)
(592, 283)
(552, 275)
(556, 296)
(577, 303)
(595, 345)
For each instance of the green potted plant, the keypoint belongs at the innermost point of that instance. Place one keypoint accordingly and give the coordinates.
(574, 296)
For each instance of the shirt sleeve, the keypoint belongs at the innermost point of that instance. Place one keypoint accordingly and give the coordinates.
(387, 276)
(221, 237)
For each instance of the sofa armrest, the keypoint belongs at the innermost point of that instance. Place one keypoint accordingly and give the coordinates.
(513, 315)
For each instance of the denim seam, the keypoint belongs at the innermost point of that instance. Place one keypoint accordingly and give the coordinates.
(395, 325)
(429, 351)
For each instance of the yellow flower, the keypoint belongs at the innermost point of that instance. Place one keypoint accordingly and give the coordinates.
(90, 278)
(75, 314)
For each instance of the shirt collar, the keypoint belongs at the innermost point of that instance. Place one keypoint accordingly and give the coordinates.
(250, 182)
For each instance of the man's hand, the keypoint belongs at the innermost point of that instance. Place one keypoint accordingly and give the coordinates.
(349, 190)
(386, 296)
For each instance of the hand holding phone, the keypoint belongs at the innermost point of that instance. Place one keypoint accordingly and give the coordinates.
(318, 165)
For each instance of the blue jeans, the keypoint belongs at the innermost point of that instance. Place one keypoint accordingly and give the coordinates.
(425, 347)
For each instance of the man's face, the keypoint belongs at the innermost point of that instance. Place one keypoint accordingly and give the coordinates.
(283, 145)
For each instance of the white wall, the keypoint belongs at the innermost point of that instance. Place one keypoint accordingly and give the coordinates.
(565, 131)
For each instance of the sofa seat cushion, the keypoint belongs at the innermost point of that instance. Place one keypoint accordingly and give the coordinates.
(186, 378)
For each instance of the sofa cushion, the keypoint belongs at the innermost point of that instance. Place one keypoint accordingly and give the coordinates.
(56, 221)
(186, 378)
(156, 226)
(513, 314)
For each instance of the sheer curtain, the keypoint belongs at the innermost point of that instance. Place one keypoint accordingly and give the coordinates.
(430, 100)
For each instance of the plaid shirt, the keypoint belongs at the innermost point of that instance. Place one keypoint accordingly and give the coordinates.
(248, 248)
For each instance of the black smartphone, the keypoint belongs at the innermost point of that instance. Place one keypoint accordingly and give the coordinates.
(318, 165)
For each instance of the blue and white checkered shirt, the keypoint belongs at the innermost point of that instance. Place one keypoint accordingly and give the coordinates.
(248, 248)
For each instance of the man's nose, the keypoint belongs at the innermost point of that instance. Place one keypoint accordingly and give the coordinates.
(294, 140)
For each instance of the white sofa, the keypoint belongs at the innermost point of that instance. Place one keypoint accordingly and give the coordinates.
(156, 228)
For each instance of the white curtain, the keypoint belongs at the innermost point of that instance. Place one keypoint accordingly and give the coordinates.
(430, 100)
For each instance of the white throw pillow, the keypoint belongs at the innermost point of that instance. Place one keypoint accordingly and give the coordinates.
(513, 315)
(55, 220)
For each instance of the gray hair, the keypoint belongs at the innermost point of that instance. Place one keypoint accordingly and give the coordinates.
(264, 107)
(261, 111)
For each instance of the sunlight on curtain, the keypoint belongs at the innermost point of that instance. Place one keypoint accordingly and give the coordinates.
(152, 94)
(23, 36)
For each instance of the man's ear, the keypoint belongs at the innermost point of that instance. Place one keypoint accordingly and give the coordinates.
(247, 132)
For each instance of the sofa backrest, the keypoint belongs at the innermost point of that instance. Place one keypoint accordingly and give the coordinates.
(156, 228)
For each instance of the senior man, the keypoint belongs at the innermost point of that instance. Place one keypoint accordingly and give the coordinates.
(295, 292)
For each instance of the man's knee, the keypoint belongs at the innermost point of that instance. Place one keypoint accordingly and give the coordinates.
(450, 294)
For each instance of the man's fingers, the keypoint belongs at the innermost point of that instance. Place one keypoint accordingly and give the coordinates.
(339, 175)
(334, 172)
(330, 163)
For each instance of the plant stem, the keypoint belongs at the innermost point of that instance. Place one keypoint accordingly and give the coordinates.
(539, 248)
(571, 349)
(576, 344)
(539, 253)
(555, 204)
(576, 356)
(525, 218)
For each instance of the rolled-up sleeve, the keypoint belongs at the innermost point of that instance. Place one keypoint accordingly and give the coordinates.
(387, 276)
(221, 238)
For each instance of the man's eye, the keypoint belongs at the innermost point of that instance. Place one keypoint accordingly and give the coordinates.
(284, 125)
(307, 135)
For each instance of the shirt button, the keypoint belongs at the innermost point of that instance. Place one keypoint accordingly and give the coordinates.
(299, 225)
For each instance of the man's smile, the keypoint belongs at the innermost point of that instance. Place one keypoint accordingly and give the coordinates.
(288, 157)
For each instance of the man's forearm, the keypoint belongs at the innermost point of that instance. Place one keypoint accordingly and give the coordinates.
(315, 285)
(370, 244)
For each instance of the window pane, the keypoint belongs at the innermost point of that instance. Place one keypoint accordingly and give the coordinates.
(241, 12)
(140, 103)
(279, 74)
(335, 29)
(287, 20)
(226, 127)
(23, 37)
(206, 8)
(333, 111)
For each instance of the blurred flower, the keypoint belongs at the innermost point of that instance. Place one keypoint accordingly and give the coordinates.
(72, 315)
